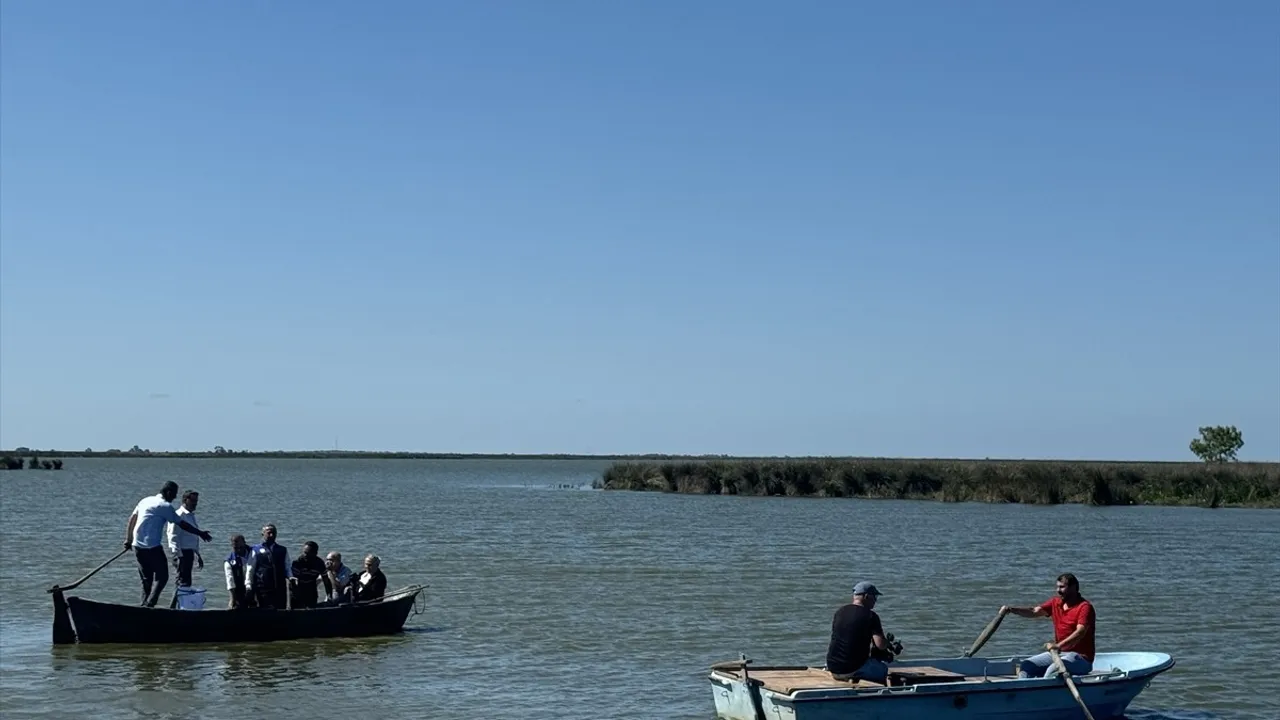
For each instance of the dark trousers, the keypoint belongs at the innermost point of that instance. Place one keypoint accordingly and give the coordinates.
(305, 595)
(277, 598)
(185, 562)
(186, 559)
(153, 569)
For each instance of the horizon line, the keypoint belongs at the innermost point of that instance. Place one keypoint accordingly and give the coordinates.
(428, 455)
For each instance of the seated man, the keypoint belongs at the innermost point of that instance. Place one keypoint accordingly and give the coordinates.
(853, 629)
(308, 568)
(339, 577)
(372, 583)
(1073, 626)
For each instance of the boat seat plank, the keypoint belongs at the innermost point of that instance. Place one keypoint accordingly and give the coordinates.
(789, 680)
(916, 674)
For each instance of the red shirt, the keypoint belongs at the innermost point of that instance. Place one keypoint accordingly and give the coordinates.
(1065, 620)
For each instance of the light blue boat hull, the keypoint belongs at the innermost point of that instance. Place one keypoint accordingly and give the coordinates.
(1117, 679)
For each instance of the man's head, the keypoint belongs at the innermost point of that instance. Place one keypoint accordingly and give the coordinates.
(372, 562)
(268, 533)
(333, 560)
(865, 594)
(238, 545)
(310, 549)
(190, 499)
(1068, 587)
(169, 491)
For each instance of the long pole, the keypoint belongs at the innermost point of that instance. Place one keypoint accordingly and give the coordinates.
(93, 572)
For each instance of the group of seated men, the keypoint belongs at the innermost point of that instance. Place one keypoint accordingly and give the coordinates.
(263, 576)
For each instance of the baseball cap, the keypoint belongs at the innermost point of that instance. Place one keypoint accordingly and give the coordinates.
(865, 588)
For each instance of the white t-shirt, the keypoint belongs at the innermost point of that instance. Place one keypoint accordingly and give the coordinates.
(153, 512)
(180, 539)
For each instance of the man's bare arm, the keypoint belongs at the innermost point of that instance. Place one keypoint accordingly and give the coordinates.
(1026, 612)
(128, 531)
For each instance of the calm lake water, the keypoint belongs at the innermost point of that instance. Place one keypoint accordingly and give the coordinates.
(547, 602)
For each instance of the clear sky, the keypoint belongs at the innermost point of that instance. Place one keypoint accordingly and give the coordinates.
(910, 229)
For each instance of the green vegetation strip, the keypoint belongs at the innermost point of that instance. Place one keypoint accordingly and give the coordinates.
(1042, 482)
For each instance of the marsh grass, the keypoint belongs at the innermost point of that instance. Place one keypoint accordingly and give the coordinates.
(1040, 482)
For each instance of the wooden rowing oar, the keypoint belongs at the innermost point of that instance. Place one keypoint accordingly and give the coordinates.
(63, 632)
(1071, 684)
(986, 634)
(93, 572)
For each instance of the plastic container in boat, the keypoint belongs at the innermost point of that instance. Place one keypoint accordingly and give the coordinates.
(190, 598)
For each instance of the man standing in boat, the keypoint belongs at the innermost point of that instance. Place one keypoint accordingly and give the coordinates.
(1074, 621)
(144, 534)
(185, 546)
(270, 571)
(853, 630)
(309, 569)
(236, 568)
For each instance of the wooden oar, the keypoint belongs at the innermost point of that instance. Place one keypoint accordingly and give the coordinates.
(77, 583)
(1071, 684)
(986, 634)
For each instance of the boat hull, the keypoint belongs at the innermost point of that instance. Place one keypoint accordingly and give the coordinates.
(992, 697)
(99, 622)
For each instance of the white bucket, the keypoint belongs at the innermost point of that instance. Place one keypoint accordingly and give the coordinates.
(190, 598)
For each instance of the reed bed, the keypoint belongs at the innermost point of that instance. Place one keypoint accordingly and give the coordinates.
(1041, 482)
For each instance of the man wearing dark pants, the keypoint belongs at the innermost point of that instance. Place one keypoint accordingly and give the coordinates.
(143, 534)
(184, 546)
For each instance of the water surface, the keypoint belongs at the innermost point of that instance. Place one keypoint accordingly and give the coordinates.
(573, 603)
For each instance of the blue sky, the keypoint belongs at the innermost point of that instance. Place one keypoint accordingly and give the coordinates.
(925, 229)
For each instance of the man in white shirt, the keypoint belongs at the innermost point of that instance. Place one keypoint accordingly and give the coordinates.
(238, 569)
(184, 547)
(143, 534)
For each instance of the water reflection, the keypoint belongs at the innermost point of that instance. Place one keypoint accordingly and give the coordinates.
(1139, 714)
(144, 668)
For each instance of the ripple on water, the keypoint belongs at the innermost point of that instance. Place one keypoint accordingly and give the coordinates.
(588, 601)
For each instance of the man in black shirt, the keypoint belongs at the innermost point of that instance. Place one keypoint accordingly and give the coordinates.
(853, 629)
(309, 568)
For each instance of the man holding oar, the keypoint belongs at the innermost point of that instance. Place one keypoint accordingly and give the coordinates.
(145, 534)
(854, 629)
(1073, 631)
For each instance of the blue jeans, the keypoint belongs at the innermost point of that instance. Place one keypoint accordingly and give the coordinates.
(1042, 665)
(873, 670)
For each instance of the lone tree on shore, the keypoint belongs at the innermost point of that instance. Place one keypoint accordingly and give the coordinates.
(1218, 443)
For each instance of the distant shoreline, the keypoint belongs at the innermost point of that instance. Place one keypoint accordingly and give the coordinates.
(1049, 482)
(406, 455)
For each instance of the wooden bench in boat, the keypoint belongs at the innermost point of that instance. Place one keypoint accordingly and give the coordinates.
(915, 674)
(789, 679)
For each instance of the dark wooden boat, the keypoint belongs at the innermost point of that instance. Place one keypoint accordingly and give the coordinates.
(78, 619)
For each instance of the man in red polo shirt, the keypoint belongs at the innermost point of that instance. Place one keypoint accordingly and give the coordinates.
(1073, 629)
